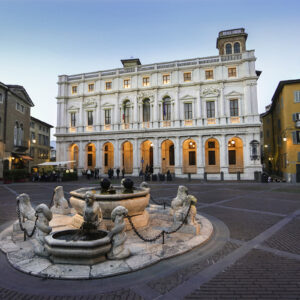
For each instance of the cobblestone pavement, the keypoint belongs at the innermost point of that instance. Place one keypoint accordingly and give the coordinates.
(254, 254)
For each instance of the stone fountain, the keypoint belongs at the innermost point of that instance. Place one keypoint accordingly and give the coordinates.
(134, 199)
(86, 245)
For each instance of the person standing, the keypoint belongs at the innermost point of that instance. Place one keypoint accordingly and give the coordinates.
(88, 174)
(118, 173)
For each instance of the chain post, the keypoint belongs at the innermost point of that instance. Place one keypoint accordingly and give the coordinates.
(163, 237)
(164, 205)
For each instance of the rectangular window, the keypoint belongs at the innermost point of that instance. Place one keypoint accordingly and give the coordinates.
(232, 72)
(90, 159)
(192, 158)
(297, 96)
(188, 112)
(107, 117)
(146, 81)
(32, 136)
(1, 98)
(234, 108)
(209, 74)
(106, 159)
(90, 118)
(211, 157)
(187, 76)
(231, 157)
(166, 79)
(210, 109)
(108, 85)
(74, 89)
(91, 87)
(73, 119)
(296, 137)
(126, 83)
(166, 110)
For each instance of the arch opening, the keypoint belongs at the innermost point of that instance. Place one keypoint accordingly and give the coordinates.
(167, 156)
(189, 156)
(90, 150)
(127, 157)
(235, 155)
(108, 156)
(212, 156)
(147, 156)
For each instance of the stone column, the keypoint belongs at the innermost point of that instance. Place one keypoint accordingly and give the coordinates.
(200, 156)
(178, 155)
(155, 112)
(116, 154)
(81, 155)
(135, 118)
(136, 157)
(97, 144)
(156, 158)
(177, 107)
(222, 105)
(223, 150)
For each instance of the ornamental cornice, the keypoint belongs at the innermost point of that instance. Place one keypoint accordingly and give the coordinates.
(233, 94)
(73, 108)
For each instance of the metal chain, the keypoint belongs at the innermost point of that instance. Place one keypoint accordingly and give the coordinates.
(154, 201)
(162, 233)
(51, 202)
(20, 223)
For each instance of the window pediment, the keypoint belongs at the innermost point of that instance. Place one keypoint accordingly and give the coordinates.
(211, 92)
(90, 103)
(233, 94)
(107, 105)
(187, 98)
(73, 108)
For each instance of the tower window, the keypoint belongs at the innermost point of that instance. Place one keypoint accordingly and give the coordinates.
(228, 49)
(74, 89)
(126, 83)
(237, 47)
(146, 81)
(234, 108)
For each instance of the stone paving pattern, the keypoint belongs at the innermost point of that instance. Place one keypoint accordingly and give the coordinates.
(247, 209)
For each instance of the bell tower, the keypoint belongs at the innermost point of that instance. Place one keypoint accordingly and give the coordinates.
(232, 41)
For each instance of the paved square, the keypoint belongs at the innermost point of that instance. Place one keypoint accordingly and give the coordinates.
(254, 254)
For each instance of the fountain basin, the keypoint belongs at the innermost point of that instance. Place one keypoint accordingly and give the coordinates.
(135, 203)
(86, 251)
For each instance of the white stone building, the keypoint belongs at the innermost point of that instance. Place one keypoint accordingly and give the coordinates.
(189, 116)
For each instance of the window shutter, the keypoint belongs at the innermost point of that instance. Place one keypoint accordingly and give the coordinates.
(298, 156)
(294, 133)
(294, 117)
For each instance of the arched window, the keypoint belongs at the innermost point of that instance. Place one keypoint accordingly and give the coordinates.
(16, 134)
(228, 48)
(126, 111)
(237, 47)
(146, 110)
(166, 109)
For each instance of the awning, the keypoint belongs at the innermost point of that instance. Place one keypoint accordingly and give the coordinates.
(25, 157)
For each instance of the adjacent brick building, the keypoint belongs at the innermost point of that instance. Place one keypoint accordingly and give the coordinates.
(15, 105)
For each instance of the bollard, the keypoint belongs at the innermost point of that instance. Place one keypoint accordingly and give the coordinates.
(189, 176)
(238, 174)
(222, 176)
(205, 176)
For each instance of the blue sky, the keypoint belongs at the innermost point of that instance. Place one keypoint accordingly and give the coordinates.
(41, 39)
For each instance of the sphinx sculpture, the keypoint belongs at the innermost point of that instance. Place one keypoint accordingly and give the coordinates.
(118, 235)
(25, 208)
(42, 229)
(60, 204)
(184, 210)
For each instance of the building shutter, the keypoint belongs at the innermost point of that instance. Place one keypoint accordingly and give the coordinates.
(298, 156)
(294, 117)
(294, 133)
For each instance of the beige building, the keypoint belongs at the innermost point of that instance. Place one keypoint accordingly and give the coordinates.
(39, 142)
(15, 105)
(281, 131)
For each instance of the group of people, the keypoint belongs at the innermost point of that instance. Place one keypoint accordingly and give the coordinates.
(110, 173)
(46, 176)
(96, 173)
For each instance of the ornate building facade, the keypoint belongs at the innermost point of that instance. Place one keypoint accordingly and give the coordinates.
(197, 116)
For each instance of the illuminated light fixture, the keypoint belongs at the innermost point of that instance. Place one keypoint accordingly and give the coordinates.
(232, 142)
(151, 145)
(266, 146)
(34, 141)
(270, 158)
(12, 158)
(284, 139)
(191, 143)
